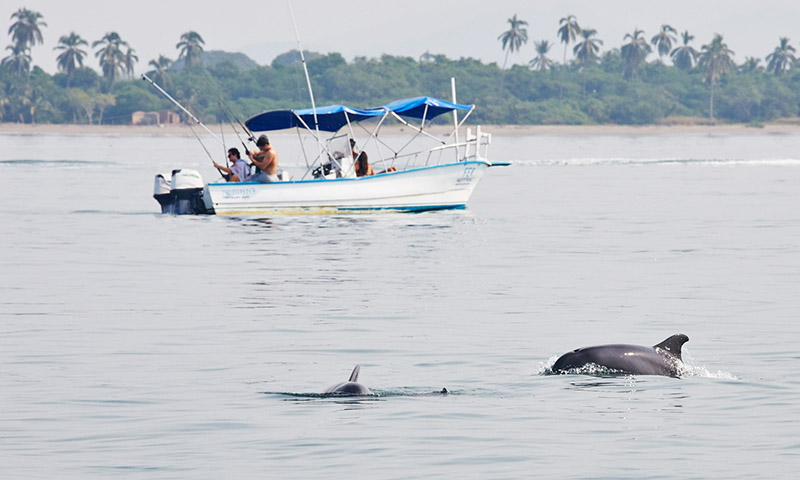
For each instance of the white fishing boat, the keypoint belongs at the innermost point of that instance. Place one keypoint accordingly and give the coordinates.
(423, 172)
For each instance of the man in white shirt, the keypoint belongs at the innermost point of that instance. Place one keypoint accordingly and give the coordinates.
(239, 170)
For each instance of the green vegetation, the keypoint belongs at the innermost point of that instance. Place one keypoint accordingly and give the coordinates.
(616, 86)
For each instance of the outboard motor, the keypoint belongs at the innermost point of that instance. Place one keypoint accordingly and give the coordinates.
(187, 191)
(182, 194)
(162, 194)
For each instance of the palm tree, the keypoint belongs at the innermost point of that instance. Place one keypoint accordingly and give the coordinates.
(110, 56)
(159, 72)
(751, 64)
(25, 32)
(684, 56)
(634, 53)
(568, 32)
(663, 40)
(191, 48)
(586, 52)
(129, 61)
(514, 37)
(71, 56)
(19, 61)
(541, 62)
(782, 58)
(715, 60)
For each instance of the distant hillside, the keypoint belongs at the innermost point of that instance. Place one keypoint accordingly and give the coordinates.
(213, 57)
(292, 57)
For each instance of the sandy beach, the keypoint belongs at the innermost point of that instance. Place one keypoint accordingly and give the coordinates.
(500, 130)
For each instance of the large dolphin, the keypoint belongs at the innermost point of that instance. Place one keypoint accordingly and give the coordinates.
(349, 388)
(661, 359)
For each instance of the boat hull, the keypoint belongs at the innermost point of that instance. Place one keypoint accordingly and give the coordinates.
(436, 187)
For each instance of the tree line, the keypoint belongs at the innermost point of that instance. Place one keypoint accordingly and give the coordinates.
(592, 86)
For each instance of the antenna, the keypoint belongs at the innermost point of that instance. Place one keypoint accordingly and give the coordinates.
(305, 69)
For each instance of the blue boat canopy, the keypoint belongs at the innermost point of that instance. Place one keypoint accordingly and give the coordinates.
(415, 107)
(330, 117)
(333, 117)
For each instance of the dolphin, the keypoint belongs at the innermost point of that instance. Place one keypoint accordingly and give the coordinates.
(349, 388)
(661, 359)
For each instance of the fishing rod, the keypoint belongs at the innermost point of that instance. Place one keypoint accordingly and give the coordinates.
(226, 110)
(246, 151)
(187, 112)
(229, 113)
(161, 90)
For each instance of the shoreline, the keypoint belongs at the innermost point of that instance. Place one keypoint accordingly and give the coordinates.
(497, 130)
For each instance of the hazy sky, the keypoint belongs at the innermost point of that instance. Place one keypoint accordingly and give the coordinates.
(456, 28)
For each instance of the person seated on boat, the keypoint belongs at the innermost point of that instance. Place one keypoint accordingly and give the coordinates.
(363, 168)
(239, 170)
(266, 159)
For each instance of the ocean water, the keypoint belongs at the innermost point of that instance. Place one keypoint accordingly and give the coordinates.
(138, 345)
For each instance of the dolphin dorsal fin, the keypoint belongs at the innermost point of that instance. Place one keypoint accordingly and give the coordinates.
(354, 375)
(673, 345)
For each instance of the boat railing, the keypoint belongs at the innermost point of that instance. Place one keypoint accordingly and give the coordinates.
(474, 148)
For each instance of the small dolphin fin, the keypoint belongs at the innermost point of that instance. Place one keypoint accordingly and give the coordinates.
(673, 345)
(354, 375)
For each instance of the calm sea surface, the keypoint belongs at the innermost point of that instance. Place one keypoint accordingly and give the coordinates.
(137, 345)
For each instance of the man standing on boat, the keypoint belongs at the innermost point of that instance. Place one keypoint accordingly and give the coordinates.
(266, 159)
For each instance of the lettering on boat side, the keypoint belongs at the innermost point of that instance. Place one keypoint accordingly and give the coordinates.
(466, 177)
(239, 192)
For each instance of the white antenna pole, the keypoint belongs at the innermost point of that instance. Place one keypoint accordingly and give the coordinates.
(308, 79)
(455, 114)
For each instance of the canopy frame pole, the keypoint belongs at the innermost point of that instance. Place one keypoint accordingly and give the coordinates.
(320, 146)
(319, 142)
(350, 152)
(461, 123)
(414, 127)
(303, 149)
(455, 112)
(378, 142)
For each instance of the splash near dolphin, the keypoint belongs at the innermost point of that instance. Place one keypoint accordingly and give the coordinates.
(661, 359)
(349, 388)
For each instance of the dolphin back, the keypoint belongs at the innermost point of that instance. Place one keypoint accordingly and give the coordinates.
(350, 387)
(660, 359)
(673, 345)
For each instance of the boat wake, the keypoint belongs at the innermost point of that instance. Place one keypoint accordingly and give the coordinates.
(582, 162)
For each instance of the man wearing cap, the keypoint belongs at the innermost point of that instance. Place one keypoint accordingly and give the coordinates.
(266, 159)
